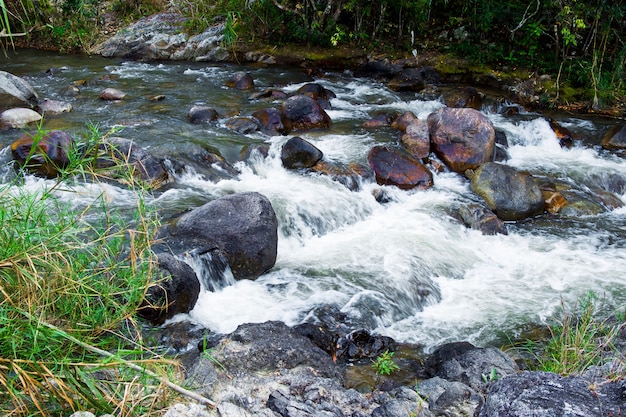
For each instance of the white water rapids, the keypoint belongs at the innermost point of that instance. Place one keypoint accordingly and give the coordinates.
(407, 268)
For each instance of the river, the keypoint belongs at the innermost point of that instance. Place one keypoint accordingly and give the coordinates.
(408, 268)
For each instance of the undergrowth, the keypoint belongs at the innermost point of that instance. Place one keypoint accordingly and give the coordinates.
(71, 278)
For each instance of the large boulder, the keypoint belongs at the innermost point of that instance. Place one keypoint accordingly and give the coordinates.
(243, 227)
(299, 153)
(305, 113)
(551, 395)
(18, 118)
(395, 167)
(615, 138)
(15, 92)
(463, 138)
(512, 195)
(175, 292)
(43, 155)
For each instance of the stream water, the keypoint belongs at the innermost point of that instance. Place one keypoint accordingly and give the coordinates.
(409, 268)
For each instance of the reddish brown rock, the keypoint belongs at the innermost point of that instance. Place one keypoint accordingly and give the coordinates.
(305, 113)
(273, 121)
(395, 167)
(615, 138)
(462, 138)
(49, 155)
(240, 80)
(402, 121)
(416, 140)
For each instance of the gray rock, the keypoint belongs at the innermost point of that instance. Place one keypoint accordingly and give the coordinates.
(299, 153)
(15, 92)
(449, 398)
(18, 118)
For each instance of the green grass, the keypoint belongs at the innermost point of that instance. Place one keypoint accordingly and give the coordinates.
(71, 278)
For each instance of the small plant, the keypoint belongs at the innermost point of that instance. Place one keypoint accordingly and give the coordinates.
(492, 377)
(384, 364)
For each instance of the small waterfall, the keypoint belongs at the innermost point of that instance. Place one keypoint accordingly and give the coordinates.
(212, 269)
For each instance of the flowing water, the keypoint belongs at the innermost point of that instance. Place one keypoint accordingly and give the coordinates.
(409, 268)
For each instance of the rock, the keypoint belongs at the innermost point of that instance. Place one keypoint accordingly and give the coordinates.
(299, 153)
(188, 410)
(510, 194)
(350, 175)
(449, 398)
(18, 118)
(49, 156)
(580, 204)
(243, 125)
(379, 120)
(394, 167)
(463, 97)
(550, 395)
(201, 161)
(270, 94)
(462, 138)
(243, 227)
(416, 140)
(202, 114)
(401, 122)
(145, 167)
(175, 292)
(112, 94)
(318, 93)
(409, 79)
(240, 80)
(562, 134)
(305, 113)
(360, 344)
(15, 92)
(478, 217)
(471, 365)
(615, 138)
(49, 107)
(273, 122)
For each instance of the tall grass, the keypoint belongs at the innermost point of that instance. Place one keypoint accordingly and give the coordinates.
(71, 278)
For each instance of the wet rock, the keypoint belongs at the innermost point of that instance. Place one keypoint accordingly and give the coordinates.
(580, 204)
(553, 201)
(240, 80)
(401, 122)
(273, 122)
(403, 402)
(203, 161)
(175, 292)
(270, 94)
(462, 138)
(360, 344)
(305, 113)
(562, 134)
(449, 398)
(202, 114)
(243, 125)
(49, 107)
(318, 93)
(463, 97)
(478, 217)
(547, 394)
(416, 140)
(50, 153)
(15, 92)
(243, 227)
(18, 118)
(512, 195)
(379, 120)
(112, 94)
(350, 175)
(70, 91)
(409, 79)
(394, 167)
(299, 153)
(379, 68)
(116, 151)
(615, 138)
(471, 365)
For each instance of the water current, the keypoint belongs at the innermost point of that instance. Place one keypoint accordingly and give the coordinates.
(408, 268)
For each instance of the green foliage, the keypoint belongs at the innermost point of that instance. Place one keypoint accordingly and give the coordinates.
(384, 364)
(71, 278)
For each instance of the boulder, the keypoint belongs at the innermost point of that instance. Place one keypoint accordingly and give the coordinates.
(243, 227)
(175, 292)
(473, 366)
(15, 92)
(512, 195)
(240, 80)
(49, 107)
(416, 140)
(479, 217)
(200, 160)
(395, 167)
(449, 398)
(462, 138)
(463, 97)
(349, 175)
(318, 93)
(243, 125)
(18, 118)
(50, 153)
(551, 395)
(409, 79)
(305, 113)
(145, 167)
(401, 122)
(299, 153)
(202, 114)
(379, 120)
(563, 134)
(112, 94)
(615, 138)
(273, 122)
